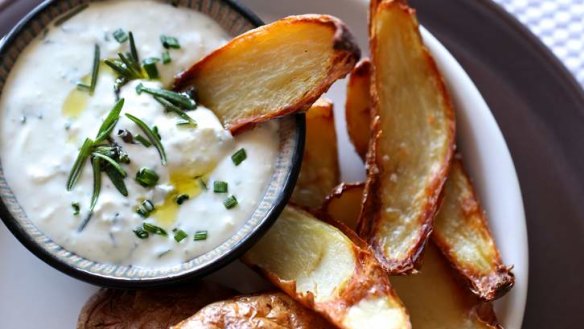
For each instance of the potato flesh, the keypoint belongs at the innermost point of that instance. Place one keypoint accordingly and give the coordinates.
(325, 269)
(320, 166)
(273, 70)
(315, 255)
(416, 141)
(461, 232)
(358, 107)
(435, 300)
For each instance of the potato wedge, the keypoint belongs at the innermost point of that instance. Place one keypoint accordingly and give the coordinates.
(320, 167)
(434, 297)
(462, 234)
(358, 107)
(413, 141)
(153, 308)
(329, 270)
(273, 70)
(344, 203)
(266, 311)
(436, 300)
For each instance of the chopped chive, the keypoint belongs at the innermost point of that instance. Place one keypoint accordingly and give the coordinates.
(75, 173)
(153, 229)
(180, 199)
(182, 122)
(110, 122)
(150, 135)
(168, 106)
(147, 177)
(145, 209)
(76, 208)
(200, 236)
(180, 235)
(133, 49)
(96, 164)
(230, 202)
(143, 140)
(178, 99)
(169, 42)
(166, 57)
(141, 233)
(120, 35)
(70, 14)
(149, 65)
(117, 180)
(219, 187)
(239, 156)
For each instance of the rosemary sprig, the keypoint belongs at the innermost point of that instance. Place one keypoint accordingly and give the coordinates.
(75, 173)
(94, 72)
(168, 106)
(110, 122)
(150, 135)
(181, 100)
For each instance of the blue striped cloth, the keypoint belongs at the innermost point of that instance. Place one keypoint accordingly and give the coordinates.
(559, 24)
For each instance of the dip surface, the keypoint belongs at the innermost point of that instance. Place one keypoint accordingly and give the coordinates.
(45, 118)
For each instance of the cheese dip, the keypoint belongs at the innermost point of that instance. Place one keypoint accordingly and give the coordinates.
(190, 185)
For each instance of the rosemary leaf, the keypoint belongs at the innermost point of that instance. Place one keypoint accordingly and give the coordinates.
(175, 109)
(117, 180)
(177, 99)
(133, 49)
(110, 121)
(150, 135)
(75, 173)
(112, 162)
(96, 164)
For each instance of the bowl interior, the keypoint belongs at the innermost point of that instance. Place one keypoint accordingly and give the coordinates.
(235, 20)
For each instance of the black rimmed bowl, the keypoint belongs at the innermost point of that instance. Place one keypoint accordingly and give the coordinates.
(235, 20)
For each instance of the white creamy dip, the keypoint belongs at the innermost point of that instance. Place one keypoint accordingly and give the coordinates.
(45, 119)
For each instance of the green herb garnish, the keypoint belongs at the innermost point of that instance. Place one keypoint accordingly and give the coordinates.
(181, 100)
(117, 179)
(180, 235)
(170, 107)
(75, 173)
(120, 35)
(112, 163)
(166, 57)
(180, 199)
(220, 187)
(153, 229)
(143, 141)
(149, 65)
(110, 122)
(94, 72)
(239, 156)
(147, 177)
(96, 164)
(150, 135)
(76, 208)
(145, 209)
(140, 233)
(200, 236)
(169, 42)
(230, 202)
(133, 49)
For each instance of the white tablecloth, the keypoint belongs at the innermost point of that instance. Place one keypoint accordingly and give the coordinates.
(559, 23)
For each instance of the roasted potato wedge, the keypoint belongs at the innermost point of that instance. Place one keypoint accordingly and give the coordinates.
(413, 141)
(273, 70)
(462, 234)
(320, 167)
(344, 203)
(434, 297)
(329, 270)
(436, 300)
(153, 308)
(358, 107)
(266, 311)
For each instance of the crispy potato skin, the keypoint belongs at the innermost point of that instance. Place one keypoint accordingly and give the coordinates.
(358, 106)
(320, 166)
(273, 70)
(144, 309)
(461, 232)
(344, 203)
(434, 297)
(368, 282)
(413, 143)
(268, 311)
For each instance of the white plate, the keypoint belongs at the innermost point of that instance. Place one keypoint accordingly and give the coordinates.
(33, 295)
